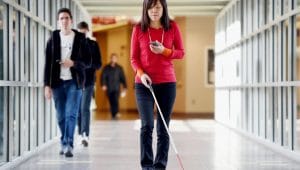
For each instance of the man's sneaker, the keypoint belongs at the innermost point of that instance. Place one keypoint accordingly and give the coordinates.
(84, 141)
(69, 152)
(63, 150)
(79, 139)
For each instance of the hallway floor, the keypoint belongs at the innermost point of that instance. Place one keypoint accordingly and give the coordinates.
(202, 144)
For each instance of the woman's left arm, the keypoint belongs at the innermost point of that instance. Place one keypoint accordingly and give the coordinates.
(178, 51)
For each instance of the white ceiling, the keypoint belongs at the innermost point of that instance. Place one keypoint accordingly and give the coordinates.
(134, 7)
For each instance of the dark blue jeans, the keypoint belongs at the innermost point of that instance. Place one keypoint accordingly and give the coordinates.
(165, 94)
(67, 99)
(84, 115)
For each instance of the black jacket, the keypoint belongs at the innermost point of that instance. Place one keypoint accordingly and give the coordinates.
(94, 64)
(53, 57)
(112, 77)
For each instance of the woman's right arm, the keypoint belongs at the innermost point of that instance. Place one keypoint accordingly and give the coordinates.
(135, 52)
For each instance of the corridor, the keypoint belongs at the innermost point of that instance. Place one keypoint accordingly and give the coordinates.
(202, 144)
(237, 103)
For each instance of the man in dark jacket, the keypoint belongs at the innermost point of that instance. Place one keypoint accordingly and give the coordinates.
(95, 64)
(111, 78)
(64, 76)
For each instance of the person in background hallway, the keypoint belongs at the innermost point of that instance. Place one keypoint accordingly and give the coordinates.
(155, 42)
(111, 78)
(95, 64)
(64, 76)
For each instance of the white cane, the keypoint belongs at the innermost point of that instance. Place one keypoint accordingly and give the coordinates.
(165, 124)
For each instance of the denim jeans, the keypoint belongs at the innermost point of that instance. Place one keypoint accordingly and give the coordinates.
(67, 99)
(84, 111)
(165, 94)
(113, 98)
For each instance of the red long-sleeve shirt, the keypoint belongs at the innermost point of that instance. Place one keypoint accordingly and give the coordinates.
(159, 68)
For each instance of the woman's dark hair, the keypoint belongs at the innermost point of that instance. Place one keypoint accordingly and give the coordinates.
(164, 20)
(66, 10)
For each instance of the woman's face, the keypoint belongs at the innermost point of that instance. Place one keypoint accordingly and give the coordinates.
(155, 12)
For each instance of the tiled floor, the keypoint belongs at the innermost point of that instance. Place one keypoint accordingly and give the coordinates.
(202, 144)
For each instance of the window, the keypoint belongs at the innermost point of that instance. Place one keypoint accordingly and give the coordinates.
(2, 158)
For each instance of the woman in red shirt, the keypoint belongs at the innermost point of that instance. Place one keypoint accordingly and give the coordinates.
(155, 42)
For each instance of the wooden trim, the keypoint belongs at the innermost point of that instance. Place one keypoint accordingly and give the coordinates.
(199, 115)
(176, 115)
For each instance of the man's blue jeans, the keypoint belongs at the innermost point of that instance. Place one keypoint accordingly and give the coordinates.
(84, 111)
(67, 99)
(165, 94)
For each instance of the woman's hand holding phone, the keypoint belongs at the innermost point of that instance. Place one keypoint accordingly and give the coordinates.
(156, 47)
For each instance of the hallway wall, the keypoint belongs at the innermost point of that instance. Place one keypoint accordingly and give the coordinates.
(117, 41)
(180, 70)
(100, 97)
(199, 36)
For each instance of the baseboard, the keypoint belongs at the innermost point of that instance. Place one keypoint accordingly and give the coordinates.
(121, 110)
(179, 115)
(199, 115)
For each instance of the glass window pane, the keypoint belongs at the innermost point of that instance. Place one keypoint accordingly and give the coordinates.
(297, 147)
(298, 47)
(1, 40)
(276, 113)
(2, 158)
(15, 98)
(270, 110)
(268, 10)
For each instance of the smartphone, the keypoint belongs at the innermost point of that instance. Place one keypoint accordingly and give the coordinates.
(59, 61)
(154, 43)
